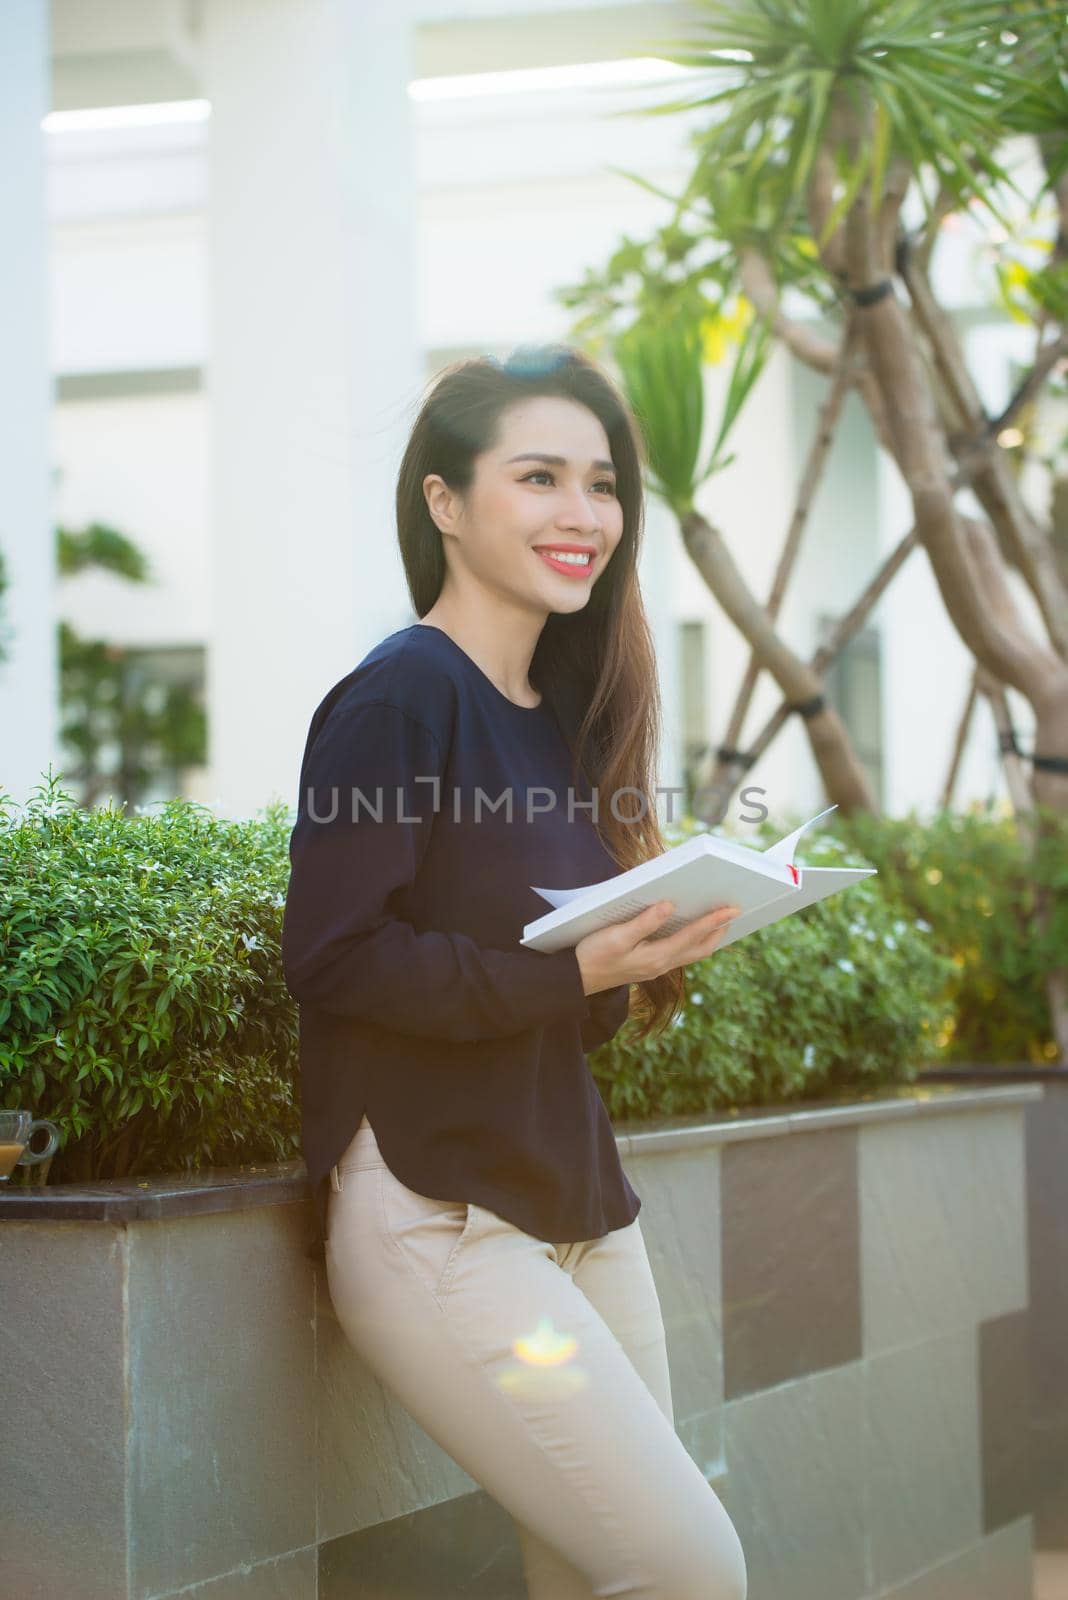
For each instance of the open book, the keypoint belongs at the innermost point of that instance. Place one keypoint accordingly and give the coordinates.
(696, 876)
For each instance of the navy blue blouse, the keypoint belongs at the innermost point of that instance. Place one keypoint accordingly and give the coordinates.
(429, 804)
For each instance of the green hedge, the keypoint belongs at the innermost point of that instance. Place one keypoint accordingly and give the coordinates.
(841, 997)
(969, 874)
(143, 1009)
(142, 1005)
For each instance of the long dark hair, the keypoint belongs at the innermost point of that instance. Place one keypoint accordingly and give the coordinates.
(595, 667)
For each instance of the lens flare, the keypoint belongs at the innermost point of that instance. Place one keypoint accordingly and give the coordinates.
(545, 1347)
(543, 1370)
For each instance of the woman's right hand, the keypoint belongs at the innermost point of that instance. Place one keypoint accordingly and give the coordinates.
(626, 952)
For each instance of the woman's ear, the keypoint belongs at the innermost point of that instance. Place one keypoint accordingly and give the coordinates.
(440, 502)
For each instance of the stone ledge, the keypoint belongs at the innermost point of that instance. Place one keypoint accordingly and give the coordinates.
(690, 1133)
(286, 1183)
(168, 1195)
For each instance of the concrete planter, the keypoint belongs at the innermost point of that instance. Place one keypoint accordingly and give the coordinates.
(847, 1299)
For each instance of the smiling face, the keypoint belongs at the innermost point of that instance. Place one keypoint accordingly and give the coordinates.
(496, 537)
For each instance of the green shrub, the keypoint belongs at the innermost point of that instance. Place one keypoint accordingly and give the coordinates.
(142, 1005)
(843, 996)
(969, 874)
(143, 1009)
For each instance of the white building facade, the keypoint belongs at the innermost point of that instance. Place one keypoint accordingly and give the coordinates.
(221, 327)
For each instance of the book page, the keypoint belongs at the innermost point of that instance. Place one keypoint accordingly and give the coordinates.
(560, 897)
(784, 849)
(697, 876)
(696, 882)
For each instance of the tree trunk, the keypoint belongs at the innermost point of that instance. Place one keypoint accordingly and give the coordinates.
(844, 779)
(964, 556)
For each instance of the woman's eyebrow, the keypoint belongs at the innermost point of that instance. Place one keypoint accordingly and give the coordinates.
(557, 461)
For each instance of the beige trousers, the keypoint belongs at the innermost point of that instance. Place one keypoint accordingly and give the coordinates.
(542, 1370)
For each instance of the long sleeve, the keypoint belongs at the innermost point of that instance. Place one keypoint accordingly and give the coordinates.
(364, 815)
(609, 1009)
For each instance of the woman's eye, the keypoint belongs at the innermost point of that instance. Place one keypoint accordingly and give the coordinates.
(541, 472)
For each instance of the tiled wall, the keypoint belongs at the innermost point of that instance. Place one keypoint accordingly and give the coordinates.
(877, 1262)
(847, 1307)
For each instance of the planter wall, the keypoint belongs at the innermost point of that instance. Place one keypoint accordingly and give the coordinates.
(1046, 1135)
(846, 1295)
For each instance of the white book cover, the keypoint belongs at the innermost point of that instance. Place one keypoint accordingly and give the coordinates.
(698, 875)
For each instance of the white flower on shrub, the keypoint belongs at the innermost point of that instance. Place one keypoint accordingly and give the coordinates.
(253, 943)
(277, 900)
(698, 999)
(890, 942)
(925, 927)
(845, 965)
(809, 1055)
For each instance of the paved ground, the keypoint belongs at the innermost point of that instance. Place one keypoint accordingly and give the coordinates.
(1051, 1575)
(1051, 1538)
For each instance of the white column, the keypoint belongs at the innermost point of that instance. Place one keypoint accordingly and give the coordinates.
(28, 674)
(314, 364)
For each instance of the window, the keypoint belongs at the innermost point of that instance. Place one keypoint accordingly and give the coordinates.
(133, 719)
(854, 688)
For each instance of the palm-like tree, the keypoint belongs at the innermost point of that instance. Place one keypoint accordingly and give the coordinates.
(828, 121)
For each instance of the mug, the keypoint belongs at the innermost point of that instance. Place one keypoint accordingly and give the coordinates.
(17, 1128)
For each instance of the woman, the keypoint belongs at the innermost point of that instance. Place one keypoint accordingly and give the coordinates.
(483, 1250)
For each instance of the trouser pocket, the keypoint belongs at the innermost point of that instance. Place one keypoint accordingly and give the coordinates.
(427, 1233)
(361, 1152)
